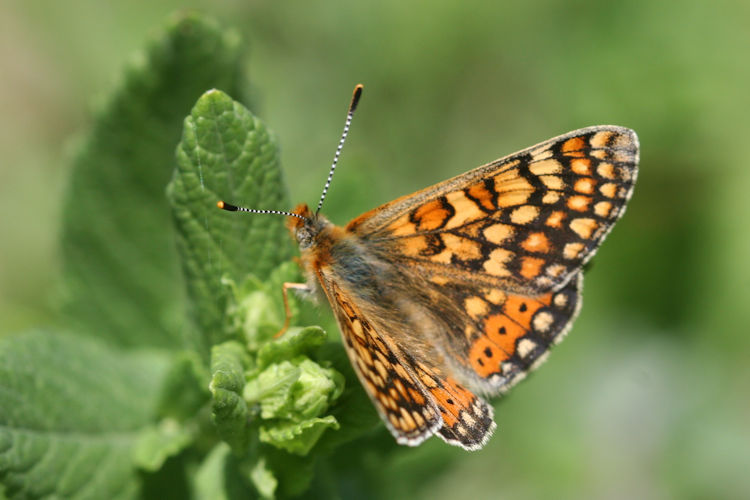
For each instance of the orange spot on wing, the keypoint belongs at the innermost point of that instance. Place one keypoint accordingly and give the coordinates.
(483, 195)
(536, 242)
(453, 398)
(585, 185)
(431, 215)
(416, 396)
(555, 219)
(573, 144)
(531, 267)
(503, 332)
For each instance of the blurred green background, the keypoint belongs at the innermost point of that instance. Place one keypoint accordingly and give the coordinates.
(649, 397)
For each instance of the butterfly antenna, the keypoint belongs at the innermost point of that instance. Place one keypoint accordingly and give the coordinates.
(349, 115)
(233, 208)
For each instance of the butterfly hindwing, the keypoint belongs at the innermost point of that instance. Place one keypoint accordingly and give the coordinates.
(525, 223)
(413, 395)
(466, 418)
(516, 332)
(401, 400)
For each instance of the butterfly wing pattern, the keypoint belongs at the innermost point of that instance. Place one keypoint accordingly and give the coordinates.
(462, 288)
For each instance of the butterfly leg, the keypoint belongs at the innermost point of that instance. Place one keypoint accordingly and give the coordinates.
(287, 313)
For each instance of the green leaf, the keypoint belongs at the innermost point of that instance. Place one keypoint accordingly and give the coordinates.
(292, 395)
(220, 477)
(297, 437)
(272, 390)
(225, 153)
(256, 308)
(71, 413)
(121, 276)
(263, 479)
(185, 389)
(159, 442)
(229, 361)
(294, 342)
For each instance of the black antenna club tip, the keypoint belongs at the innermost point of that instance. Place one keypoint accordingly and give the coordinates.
(226, 206)
(355, 97)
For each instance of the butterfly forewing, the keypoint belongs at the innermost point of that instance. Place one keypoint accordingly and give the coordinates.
(525, 223)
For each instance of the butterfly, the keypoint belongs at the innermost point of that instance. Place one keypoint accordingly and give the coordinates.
(458, 291)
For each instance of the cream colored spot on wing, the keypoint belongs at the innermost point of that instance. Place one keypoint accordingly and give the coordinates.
(552, 182)
(581, 166)
(543, 321)
(418, 419)
(363, 353)
(394, 420)
(465, 210)
(555, 219)
(497, 233)
(495, 296)
(555, 270)
(512, 198)
(550, 197)
(609, 189)
(543, 282)
(403, 227)
(560, 300)
(572, 250)
(603, 208)
(545, 167)
(606, 170)
(400, 387)
(393, 393)
(525, 346)
(462, 248)
(585, 185)
(408, 420)
(524, 214)
(600, 139)
(401, 372)
(476, 307)
(579, 203)
(539, 154)
(357, 329)
(599, 154)
(584, 227)
(414, 246)
(468, 419)
(444, 257)
(495, 264)
(438, 279)
(371, 389)
(510, 180)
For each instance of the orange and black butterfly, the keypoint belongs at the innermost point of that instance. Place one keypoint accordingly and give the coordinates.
(462, 288)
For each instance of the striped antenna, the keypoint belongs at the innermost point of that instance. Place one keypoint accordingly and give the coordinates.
(233, 208)
(349, 115)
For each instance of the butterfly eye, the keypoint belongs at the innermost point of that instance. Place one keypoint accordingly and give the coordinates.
(304, 238)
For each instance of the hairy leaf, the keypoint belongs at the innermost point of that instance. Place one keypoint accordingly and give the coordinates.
(71, 413)
(121, 275)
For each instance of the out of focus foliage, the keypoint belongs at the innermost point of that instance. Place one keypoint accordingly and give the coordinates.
(647, 398)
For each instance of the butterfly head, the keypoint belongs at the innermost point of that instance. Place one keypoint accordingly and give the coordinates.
(305, 225)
